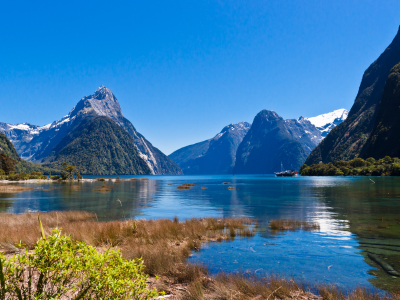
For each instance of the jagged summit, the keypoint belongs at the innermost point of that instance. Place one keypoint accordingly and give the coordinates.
(237, 126)
(103, 93)
(104, 103)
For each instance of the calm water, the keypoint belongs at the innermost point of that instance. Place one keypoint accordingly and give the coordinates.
(356, 216)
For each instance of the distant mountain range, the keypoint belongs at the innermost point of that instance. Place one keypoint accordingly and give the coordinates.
(58, 141)
(258, 148)
(213, 156)
(371, 128)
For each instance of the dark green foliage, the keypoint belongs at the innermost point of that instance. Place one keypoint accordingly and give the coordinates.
(386, 166)
(29, 167)
(385, 136)
(7, 164)
(99, 146)
(24, 176)
(349, 139)
(7, 147)
(10, 162)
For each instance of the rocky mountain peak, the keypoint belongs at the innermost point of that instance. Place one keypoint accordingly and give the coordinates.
(104, 103)
(266, 116)
(238, 126)
(103, 93)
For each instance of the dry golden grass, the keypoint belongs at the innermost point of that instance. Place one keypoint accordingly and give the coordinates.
(231, 188)
(226, 183)
(183, 187)
(204, 187)
(134, 179)
(75, 187)
(24, 227)
(165, 246)
(284, 224)
(13, 188)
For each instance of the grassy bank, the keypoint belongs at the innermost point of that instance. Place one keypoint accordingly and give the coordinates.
(165, 246)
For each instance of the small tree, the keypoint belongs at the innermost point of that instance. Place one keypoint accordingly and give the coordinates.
(71, 171)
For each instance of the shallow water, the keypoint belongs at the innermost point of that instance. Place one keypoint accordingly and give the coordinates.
(356, 216)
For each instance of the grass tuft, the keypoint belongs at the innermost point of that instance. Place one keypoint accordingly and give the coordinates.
(285, 224)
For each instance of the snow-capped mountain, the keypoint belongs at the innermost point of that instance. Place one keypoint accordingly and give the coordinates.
(326, 122)
(36, 143)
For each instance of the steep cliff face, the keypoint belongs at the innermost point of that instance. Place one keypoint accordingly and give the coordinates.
(99, 146)
(385, 136)
(214, 156)
(36, 143)
(267, 145)
(347, 140)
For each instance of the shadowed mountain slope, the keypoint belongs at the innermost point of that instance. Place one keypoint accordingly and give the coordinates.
(346, 141)
(268, 144)
(385, 137)
(214, 156)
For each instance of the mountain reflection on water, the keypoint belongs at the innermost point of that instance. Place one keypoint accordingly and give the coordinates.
(356, 217)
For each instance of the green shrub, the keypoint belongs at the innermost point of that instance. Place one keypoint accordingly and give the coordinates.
(13, 177)
(370, 160)
(357, 163)
(56, 177)
(60, 267)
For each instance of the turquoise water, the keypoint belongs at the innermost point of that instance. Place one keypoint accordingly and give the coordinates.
(345, 208)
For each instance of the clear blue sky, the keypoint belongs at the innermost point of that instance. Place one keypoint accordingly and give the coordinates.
(182, 70)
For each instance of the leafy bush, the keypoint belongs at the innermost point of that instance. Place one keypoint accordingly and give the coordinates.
(60, 267)
(56, 177)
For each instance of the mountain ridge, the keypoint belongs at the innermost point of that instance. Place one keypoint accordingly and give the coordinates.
(213, 156)
(35, 143)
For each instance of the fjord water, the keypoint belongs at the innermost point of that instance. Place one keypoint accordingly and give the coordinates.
(357, 217)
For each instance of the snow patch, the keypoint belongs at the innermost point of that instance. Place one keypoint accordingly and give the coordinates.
(329, 118)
